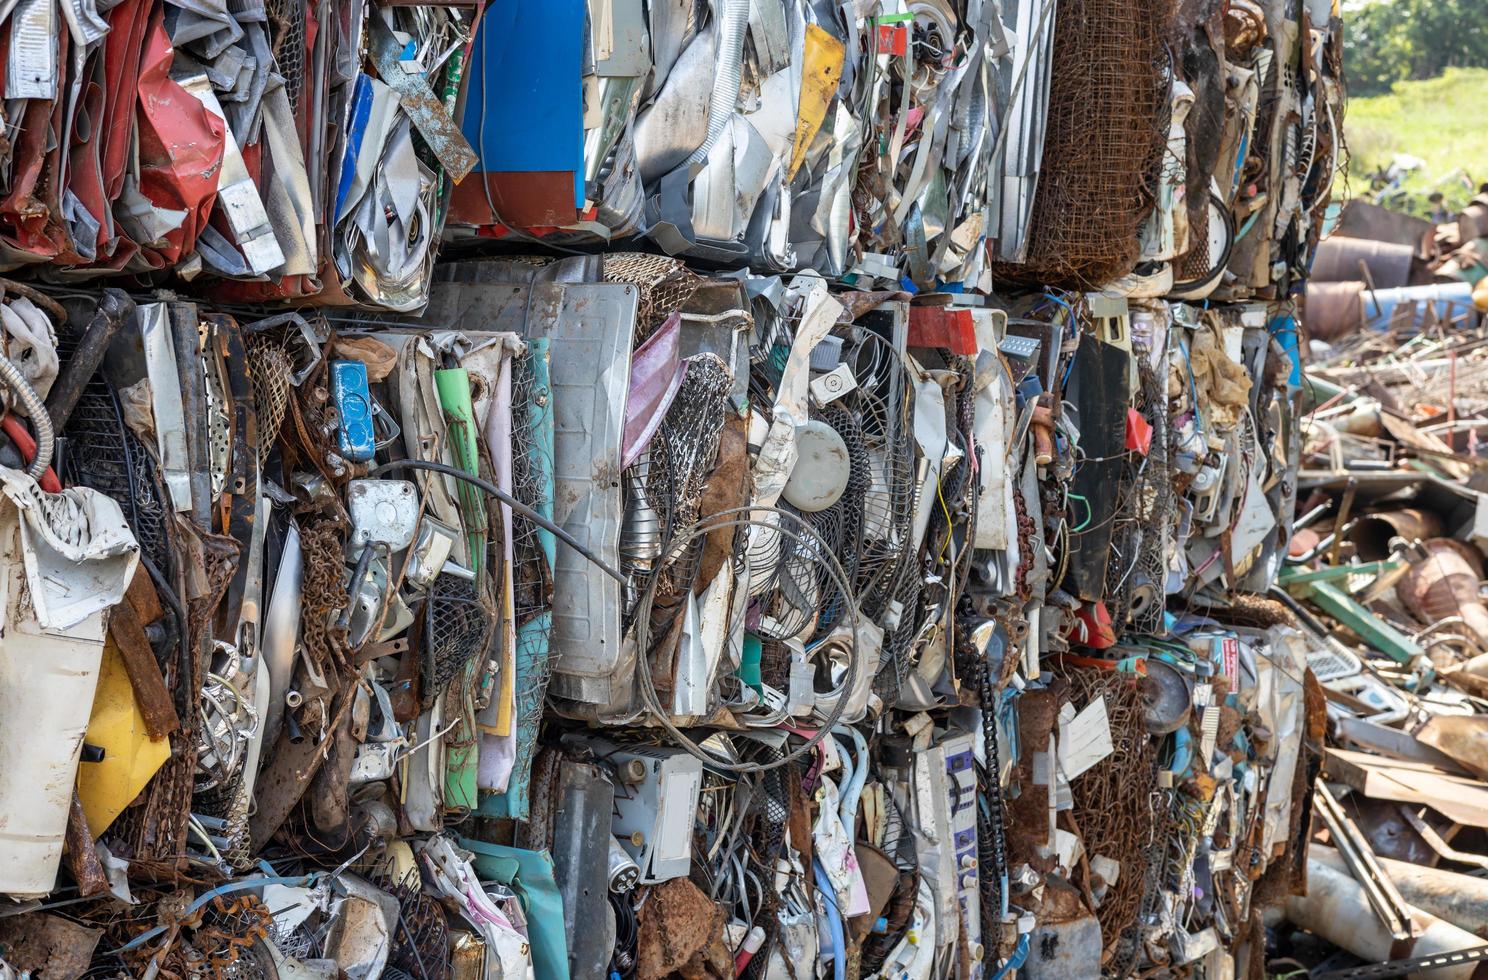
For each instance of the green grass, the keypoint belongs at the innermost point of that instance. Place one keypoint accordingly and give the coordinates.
(1441, 121)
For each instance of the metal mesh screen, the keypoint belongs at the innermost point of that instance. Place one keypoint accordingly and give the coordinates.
(532, 486)
(665, 286)
(888, 502)
(1103, 144)
(681, 456)
(1195, 263)
(287, 42)
(105, 455)
(459, 628)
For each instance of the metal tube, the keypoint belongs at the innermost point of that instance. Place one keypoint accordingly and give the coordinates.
(1362, 863)
(115, 308)
(1335, 909)
(1371, 533)
(1456, 898)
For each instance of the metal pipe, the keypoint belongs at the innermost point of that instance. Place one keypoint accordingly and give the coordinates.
(1459, 899)
(1371, 533)
(1443, 585)
(1336, 909)
(1362, 863)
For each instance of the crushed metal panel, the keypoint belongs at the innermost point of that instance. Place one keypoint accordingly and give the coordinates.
(581, 848)
(236, 191)
(590, 330)
(423, 106)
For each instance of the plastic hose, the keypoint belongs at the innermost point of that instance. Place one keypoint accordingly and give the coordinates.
(857, 777)
(835, 932)
(36, 409)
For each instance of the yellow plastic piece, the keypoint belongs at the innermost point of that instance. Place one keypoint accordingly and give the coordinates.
(820, 72)
(130, 756)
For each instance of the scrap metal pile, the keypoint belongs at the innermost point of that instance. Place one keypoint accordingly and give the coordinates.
(1385, 570)
(646, 488)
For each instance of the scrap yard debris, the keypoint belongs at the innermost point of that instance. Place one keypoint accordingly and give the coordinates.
(726, 488)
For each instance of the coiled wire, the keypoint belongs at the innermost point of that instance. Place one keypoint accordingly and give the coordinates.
(797, 530)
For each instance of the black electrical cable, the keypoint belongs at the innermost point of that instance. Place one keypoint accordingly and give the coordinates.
(505, 498)
(627, 935)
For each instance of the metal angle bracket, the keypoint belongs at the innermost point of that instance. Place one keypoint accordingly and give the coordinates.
(1388, 904)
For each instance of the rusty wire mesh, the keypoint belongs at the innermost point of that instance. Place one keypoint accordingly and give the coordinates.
(1113, 812)
(1196, 262)
(664, 284)
(269, 370)
(1106, 134)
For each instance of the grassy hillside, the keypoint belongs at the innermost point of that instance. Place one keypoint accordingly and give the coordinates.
(1443, 121)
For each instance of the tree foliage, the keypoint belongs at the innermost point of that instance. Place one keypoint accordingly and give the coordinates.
(1386, 41)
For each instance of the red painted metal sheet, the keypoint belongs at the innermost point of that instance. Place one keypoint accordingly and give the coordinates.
(180, 146)
(936, 326)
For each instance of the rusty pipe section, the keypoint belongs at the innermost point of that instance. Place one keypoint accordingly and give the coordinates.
(1446, 584)
(114, 310)
(1371, 533)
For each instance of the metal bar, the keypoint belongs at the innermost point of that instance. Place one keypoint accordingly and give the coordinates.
(1383, 896)
(1344, 510)
(1298, 576)
(1439, 844)
(113, 310)
(1374, 631)
(1400, 968)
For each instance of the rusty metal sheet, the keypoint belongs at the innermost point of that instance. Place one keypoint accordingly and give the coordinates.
(1462, 737)
(1361, 219)
(51, 946)
(1347, 259)
(535, 200)
(425, 108)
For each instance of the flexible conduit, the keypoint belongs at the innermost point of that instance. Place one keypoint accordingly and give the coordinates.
(733, 21)
(17, 383)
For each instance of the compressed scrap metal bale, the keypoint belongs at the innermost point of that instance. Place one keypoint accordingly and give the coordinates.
(868, 585)
(1102, 146)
